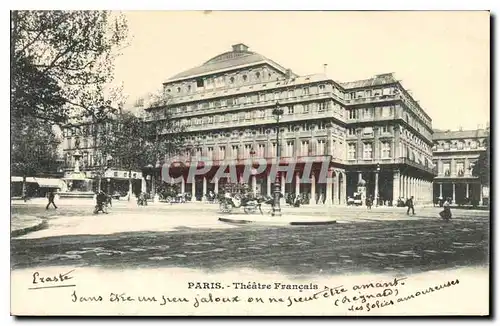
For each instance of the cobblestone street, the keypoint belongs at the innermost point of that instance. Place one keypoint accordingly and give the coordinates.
(385, 241)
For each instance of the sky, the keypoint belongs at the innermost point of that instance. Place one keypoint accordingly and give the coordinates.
(443, 58)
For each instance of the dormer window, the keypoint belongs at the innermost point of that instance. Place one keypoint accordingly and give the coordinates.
(257, 75)
(231, 80)
(245, 77)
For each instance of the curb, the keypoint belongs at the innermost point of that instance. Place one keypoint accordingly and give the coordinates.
(37, 227)
(296, 223)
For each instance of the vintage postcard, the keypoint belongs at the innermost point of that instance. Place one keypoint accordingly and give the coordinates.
(250, 163)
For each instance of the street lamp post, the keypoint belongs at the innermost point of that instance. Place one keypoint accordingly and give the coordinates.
(109, 159)
(277, 112)
(376, 184)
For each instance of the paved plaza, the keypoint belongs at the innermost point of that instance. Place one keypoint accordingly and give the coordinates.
(189, 235)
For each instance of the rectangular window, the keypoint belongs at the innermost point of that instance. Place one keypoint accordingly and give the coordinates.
(247, 151)
(261, 150)
(234, 152)
(248, 115)
(322, 107)
(352, 131)
(322, 88)
(210, 152)
(367, 113)
(386, 111)
(290, 93)
(199, 82)
(460, 169)
(386, 150)
(446, 169)
(352, 114)
(211, 119)
(384, 129)
(351, 152)
(306, 108)
(305, 91)
(368, 93)
(320, 149)
(289, 148)
(290, 109)
(367, 151)
(222, 152)
(304, 148)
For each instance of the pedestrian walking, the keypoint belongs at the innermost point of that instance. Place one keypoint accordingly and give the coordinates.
(51, 197)
(411, 205)
(369, 202)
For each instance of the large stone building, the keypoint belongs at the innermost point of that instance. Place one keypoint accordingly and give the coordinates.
(455, 154)
(370, 132)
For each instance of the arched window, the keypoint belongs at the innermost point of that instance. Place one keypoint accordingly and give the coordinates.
(231, 80)
(178, 89)
(257, 75)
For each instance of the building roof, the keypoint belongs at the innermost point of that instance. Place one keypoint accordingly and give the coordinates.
(381, 79)
(240, 56)
(459, 134)
(275, 84)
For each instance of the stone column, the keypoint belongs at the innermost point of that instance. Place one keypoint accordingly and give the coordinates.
(143, 185)
(183, 185)
(254, 185)
(193, 189)
(467, 190)
(216, 185)
(343, 189)
(313, 190)
(480, 194)
(440, 190)
(453, 199)
(268, 185)
(336, 188)
(396, 188)
(328, 199)
(297, 184)
(283, 182)
(453, 167)
(204, 196)
(375, 195)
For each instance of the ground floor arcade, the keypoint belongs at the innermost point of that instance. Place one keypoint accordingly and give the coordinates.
(460, 191)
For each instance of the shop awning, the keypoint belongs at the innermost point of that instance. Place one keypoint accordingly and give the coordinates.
(20, 179)
(49, 183)
(42, 182)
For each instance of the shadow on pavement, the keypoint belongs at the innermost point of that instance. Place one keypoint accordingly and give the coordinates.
(385, 246)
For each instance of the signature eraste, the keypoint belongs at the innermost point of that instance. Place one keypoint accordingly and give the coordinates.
(51, 281)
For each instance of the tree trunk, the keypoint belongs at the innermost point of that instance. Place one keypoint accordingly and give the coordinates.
(129, 184)
(99, 181)
(23, 191)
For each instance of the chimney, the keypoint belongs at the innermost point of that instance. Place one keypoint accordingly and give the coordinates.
(325, 68)
(240, 47)
(289, 74)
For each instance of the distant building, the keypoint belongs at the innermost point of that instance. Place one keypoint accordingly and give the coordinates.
(371, 132)
(455, 153)
(80, 137)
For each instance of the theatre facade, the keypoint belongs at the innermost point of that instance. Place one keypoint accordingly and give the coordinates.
(372, 135)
